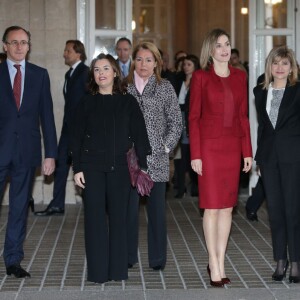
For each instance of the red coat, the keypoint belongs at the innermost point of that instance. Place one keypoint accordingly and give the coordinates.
(219, 147)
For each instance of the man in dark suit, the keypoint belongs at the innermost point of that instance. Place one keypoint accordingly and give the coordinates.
(26, 103)
(124, 50)
(74, 89)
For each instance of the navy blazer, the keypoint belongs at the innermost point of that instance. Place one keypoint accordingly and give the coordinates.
(281, 144)
(77, 87)
(22, 128)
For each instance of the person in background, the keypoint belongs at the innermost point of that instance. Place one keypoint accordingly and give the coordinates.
(255, 201)
(159, 104)
(178, 60)
(190, 64)
(124, 50)
(258, 193)
(219, 135)
(235, 60)
(107, 123)
(277, 102)
(75, 87)
(26, 103)
(3, 57)
(165, 71)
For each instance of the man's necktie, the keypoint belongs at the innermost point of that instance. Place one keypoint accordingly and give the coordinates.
(17, 86)
(275, 104)
(67, 78)
(124, 70)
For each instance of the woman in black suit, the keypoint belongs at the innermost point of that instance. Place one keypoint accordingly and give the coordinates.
(182, 88)
(277, 102)
(106, 124)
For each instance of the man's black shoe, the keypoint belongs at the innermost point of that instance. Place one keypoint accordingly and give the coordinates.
(251, 215)
(17, 271)
(49, 211)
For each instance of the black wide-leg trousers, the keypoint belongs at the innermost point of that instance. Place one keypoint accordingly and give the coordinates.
(157, 227)
(281, 182)
(106, 197)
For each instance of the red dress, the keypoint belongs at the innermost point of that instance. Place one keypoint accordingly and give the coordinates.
(219, 134)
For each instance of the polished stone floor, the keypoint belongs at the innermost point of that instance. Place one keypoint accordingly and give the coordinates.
(55, 257)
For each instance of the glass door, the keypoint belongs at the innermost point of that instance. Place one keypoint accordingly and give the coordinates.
(271, 23)
(101, 23)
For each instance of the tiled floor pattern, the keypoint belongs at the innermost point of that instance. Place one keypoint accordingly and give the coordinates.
(55, 257)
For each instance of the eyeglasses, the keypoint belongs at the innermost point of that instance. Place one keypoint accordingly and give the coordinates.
(15, 44)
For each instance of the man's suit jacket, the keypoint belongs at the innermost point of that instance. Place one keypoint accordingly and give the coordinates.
(76, 89)
(118, 62)
(281, 144)
(22, 128)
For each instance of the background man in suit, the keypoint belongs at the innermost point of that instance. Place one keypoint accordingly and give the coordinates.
(74, 89)
(124, 50)
(26, 102)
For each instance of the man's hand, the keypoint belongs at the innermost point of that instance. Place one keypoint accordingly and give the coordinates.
(48, 166)
(79, 179)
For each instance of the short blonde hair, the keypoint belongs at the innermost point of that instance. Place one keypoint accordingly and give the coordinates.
(157, 57)
(208, 46)
(275, 55)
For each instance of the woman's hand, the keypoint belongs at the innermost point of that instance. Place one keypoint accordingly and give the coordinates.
(79, 179)
(197, 166)
(247, 164)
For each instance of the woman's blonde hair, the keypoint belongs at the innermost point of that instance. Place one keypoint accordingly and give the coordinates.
(208, 47)
(275, 55)
(157, 57)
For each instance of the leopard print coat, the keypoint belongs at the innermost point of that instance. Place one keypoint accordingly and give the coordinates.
(161, 110)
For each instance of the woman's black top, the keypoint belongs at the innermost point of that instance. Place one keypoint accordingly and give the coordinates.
(105, 127)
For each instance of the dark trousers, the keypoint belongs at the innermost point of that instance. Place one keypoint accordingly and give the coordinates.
(281, 184)
(63, 164)
(106, 197)
(257, 198)
(157, 228)
(20, 185)
(184, 166)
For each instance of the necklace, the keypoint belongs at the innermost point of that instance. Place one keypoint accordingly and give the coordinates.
(226, 73)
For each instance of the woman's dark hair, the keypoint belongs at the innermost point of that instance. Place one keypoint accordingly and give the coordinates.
(178, 63)
(117, 86)
(194, 59)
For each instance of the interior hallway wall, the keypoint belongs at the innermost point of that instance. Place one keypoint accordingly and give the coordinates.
(51, 23)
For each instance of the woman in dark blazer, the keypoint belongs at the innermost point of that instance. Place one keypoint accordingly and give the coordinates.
(182, 165)
(106, 124)
(277, 102)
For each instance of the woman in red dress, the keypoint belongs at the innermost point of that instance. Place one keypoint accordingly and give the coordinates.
(219, 136)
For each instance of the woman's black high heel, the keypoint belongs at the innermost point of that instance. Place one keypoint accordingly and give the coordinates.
(279, 277)
(294, 272)
(31, 204)
(214, 283)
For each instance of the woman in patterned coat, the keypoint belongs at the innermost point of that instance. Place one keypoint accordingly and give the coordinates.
(159, 104)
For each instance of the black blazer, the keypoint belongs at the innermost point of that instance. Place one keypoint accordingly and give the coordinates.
(77, 87)
(105, 126)
(281, 144)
